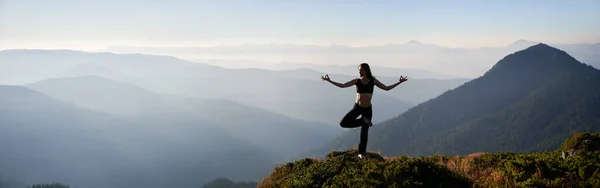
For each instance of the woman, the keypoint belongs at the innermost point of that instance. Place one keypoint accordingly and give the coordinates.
(362, 105)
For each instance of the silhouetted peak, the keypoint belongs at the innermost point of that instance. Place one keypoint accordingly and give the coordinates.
(542, 46)
(545, 53)
(538, 59)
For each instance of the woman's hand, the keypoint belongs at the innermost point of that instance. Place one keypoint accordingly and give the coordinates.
(403, 79)
(326, 78)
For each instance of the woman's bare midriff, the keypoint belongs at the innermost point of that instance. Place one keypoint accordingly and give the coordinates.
(363, 99)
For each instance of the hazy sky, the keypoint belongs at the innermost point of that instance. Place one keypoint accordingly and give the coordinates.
(79, 24)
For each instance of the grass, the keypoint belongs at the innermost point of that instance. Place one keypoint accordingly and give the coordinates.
(505, 169)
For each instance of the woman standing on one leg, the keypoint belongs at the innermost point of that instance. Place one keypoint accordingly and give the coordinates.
(362, 106)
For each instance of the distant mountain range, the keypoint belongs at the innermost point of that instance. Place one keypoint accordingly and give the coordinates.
(47, 140)
(254, 125)
(530, 100)
(441, 60)
(295, 93)
(71, 124)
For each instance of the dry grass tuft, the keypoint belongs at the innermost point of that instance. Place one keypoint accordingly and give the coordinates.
(488, 177)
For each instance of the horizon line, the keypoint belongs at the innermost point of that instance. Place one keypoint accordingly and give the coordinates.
(344, 45)
(97, 49)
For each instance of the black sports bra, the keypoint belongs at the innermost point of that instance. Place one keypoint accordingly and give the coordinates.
(362, 88)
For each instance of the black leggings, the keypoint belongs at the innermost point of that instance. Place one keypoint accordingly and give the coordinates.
(350, 121)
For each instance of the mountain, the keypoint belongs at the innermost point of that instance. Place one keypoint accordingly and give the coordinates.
(277, 134)
(461, 62)
(530, 100)
(25, 66)
(308, 99)
(47, 140)
(102, 94)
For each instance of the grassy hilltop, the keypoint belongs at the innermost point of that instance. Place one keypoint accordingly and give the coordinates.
(503, 169)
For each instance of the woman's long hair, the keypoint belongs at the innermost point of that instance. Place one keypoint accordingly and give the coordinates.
(367, 69)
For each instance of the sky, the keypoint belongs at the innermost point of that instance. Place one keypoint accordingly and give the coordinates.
(87, 25)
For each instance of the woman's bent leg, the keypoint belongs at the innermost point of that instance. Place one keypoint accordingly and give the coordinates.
(349, 120)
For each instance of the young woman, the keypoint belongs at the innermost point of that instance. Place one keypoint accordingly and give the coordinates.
(362, 106)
